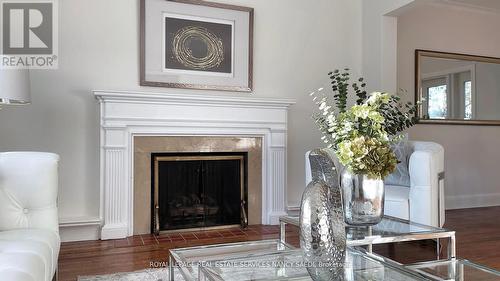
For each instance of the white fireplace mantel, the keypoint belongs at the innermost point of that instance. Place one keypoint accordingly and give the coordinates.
(125, 115)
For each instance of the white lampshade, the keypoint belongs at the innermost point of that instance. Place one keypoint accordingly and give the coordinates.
(15, 86)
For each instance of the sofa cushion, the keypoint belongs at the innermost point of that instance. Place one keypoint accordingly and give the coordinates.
(396, 201)
(21, 267)
(401, 176)
(15, 274)
(39, 244)
(28, 190)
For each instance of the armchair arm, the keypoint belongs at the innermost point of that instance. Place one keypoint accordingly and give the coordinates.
(427, 186)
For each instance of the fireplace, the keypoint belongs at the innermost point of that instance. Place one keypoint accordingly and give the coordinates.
(146, 147)
(198, 190)
(133, 125)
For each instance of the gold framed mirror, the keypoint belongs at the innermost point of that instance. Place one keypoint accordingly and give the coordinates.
(457, 88)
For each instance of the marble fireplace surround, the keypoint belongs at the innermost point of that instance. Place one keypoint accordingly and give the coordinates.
(125, 115)
(144, 146)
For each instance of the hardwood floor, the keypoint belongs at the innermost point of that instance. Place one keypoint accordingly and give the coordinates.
(478, 239)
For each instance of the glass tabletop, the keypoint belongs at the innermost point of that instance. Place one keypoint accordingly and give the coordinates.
(290, 265)
(390, 229)
(187, 260)
(455, 270)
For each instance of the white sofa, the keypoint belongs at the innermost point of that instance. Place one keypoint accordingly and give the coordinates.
(423, 200)
(29, 229)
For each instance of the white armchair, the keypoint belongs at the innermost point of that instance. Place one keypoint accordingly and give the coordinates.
(423, 200)
(29, 229)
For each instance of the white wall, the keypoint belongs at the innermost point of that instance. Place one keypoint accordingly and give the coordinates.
(471, 152)
(296, 43)
(380, 43)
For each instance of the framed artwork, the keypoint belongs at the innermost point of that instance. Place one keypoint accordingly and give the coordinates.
(193, 44)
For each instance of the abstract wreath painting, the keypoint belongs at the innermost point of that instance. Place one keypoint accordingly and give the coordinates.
(195, 45)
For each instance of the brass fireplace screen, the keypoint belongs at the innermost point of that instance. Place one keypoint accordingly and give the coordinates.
(198, 191)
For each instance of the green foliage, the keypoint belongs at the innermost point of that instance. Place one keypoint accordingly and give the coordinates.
(360, 91)
(398, 116)
(361, 134)
(340, 85)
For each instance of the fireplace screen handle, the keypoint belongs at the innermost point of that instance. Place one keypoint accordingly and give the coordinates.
(244, 218)
(157, 220)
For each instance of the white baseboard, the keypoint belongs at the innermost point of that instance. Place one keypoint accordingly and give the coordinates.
(114, 231)
(472, 201)
(79, 229)
(274, 217)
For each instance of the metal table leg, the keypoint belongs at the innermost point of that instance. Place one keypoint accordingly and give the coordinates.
(171, 268)
(438, 249)
(461, 276)
(369, 247)
(452, 247)
(282, 232)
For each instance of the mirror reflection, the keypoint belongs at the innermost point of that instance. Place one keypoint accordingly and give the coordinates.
(456, 87)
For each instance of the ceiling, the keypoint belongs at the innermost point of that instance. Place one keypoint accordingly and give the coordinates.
(493, 5)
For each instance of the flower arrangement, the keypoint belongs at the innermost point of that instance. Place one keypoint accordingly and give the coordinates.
(361, 136)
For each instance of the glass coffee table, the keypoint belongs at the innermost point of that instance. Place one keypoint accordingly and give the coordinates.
(289, 265)
(455, 270)
(389, 230)
(188, 260)
(275, 260)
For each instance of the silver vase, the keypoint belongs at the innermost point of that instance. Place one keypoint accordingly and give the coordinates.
(363, 199)
(322, 227)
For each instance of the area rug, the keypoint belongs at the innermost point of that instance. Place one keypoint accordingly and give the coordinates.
(142, 275)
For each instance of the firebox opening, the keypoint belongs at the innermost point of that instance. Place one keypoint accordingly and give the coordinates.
(198, 190)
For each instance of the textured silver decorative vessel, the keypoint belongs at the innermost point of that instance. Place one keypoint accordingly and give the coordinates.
(363, 199)
(322, 227)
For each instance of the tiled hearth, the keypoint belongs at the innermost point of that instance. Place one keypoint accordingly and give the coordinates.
(255, 232)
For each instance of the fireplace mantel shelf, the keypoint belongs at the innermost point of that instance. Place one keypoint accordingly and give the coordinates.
(243, 100)
(127, 114)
